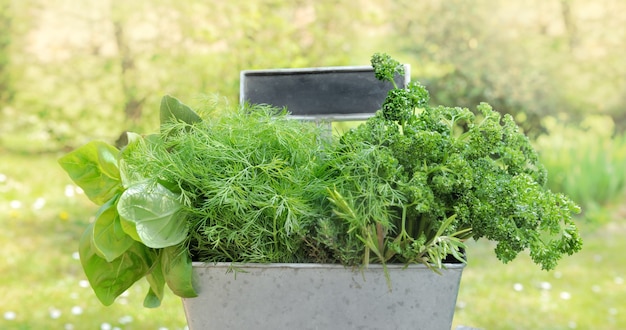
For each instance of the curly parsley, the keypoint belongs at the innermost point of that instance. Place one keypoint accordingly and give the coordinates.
(415, 181)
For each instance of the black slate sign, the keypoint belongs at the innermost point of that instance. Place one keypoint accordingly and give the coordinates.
(330, 93)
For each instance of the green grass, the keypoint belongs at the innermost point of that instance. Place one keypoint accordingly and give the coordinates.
(43, 285)
(586, 291)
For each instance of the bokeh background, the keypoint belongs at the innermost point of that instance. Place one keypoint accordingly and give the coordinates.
(73, 71)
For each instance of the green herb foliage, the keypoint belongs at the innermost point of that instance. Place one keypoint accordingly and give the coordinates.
(247, 182)
(139, 226)
(414, 181)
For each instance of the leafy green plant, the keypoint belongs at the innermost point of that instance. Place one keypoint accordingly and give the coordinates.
(249, 184)
(247, 180)
(240, 186)
(139, 225)
(414, 181)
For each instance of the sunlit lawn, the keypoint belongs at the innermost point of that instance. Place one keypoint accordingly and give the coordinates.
(42, 285)
(586, 291)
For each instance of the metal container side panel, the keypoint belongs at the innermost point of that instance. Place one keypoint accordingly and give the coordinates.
(322, 297)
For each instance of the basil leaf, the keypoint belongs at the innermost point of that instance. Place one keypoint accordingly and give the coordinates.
(110, 279)
(152, 299)
(128, 178)
(177, 268)
(109, 238)
(156, 279)
(173, 109)
(93, 167)
(156, 213)
(129, 228)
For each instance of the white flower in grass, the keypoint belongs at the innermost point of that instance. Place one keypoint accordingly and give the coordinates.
(518, 287)
(76, 256)
(83, 283)
(54, 313)
(39, 203)
(105, 326)
(77, 310)
(122, 298)
(3, 178)
(565, 295)
(69, 191)
(545, 286)
(125, 319)
(15, 204)
(10, 315)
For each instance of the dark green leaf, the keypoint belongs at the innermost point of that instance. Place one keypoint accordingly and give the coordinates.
(152, 299)
(174, 110)
(177, 268)
(110, 279)
(156, 279)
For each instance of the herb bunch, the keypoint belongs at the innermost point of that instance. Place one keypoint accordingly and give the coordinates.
(249, 184)
(247, 181)
(414, 181)
(240, 186)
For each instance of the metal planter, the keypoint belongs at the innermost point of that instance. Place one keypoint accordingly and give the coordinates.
(322, 296)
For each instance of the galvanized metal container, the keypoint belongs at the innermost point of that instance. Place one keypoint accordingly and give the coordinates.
(322, 296)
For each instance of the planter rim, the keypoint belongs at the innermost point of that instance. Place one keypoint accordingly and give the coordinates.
(321, 69)
(196, 264)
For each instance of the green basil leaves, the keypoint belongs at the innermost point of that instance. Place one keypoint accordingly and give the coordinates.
(140, 225)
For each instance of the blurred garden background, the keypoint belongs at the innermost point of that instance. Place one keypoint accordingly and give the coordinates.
(74, 71)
